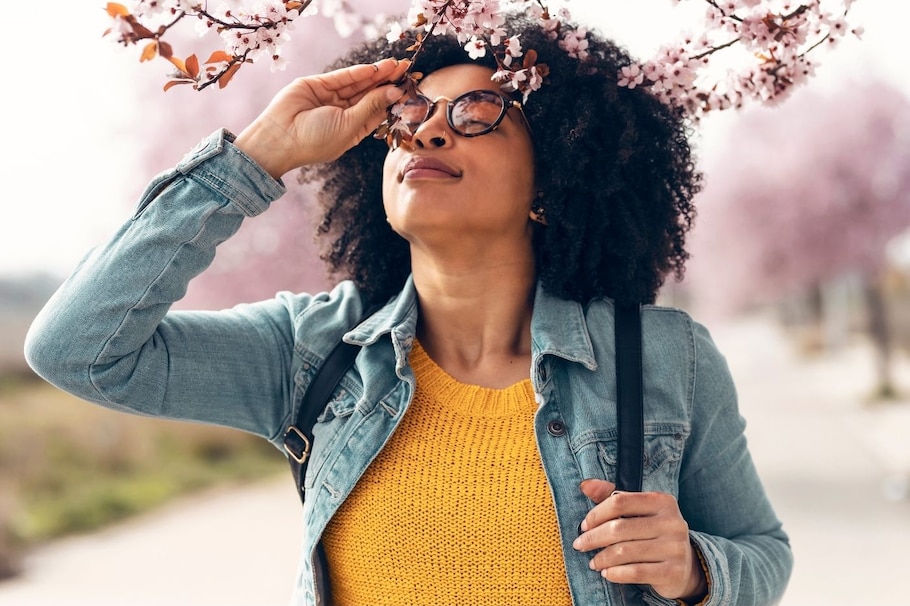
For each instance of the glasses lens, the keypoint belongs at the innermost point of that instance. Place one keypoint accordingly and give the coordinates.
(415, 112)
(476, 112)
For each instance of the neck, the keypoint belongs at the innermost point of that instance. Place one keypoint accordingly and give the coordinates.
(475, 320)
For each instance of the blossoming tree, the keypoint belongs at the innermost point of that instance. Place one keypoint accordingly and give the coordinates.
(805, 193)
(768, 47)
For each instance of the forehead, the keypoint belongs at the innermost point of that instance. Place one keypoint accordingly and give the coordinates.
(456, 79)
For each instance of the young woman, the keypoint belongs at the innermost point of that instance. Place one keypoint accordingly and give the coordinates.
(469, 455)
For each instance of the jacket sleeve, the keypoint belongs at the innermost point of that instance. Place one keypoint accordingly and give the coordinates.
(107, 335)
(732, 523)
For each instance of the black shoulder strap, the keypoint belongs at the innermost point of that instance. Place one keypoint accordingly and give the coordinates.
(298, 439)
(630, 405)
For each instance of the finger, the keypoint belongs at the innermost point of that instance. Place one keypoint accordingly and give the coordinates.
(669, 578)
(638, 573)
(630, 504)
(597, 490)
(619, 530)
(371, 110)
(660, 549)
(354, 93)
(356, 79)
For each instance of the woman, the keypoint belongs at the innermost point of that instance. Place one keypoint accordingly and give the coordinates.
(468, 455)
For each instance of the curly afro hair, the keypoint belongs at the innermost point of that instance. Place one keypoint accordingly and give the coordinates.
(613, 166)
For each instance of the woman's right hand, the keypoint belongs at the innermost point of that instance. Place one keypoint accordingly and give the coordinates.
(316, 119)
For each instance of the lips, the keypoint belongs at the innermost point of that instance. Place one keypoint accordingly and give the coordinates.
(424, 167)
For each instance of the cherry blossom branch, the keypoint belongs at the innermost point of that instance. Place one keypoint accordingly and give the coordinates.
(246, 36)
(777, 37)
(777, 45)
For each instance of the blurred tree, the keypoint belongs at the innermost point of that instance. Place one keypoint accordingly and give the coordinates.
(804, 193)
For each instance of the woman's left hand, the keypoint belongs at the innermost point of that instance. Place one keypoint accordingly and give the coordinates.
(643, 539)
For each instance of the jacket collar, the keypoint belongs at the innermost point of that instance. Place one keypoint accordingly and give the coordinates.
(399, 315)
(558, 326)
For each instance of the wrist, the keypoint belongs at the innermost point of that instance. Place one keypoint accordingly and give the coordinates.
(263, 147)
(698, 586)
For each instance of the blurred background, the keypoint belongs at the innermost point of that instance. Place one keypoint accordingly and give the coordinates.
(800, 267)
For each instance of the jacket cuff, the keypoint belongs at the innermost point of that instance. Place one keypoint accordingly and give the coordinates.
(222, 166)
(714, 563)
(714, 566)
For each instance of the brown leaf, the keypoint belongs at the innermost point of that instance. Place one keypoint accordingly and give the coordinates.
(219, 56)
(117, 10)
(165, 50)
(179, 64)
(192, 65)
(226, 78)
(173, 83)
(149, 52)
(530, 59)
(139, 30)
(293, 5)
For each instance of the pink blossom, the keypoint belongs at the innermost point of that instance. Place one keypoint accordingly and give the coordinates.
(575, 44)
(632, 76)
(476, 48)
(512, 50)
(395, 32)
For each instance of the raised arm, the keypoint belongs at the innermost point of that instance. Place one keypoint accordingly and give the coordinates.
(108, 336)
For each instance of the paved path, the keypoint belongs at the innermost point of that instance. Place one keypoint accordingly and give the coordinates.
(828, 461)
(832, 464)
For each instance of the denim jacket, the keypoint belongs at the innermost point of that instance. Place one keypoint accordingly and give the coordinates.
(109, 337)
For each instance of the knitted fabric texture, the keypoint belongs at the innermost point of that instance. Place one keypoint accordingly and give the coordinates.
(455, 509)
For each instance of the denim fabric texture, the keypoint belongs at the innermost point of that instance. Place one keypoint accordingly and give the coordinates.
(108, 337)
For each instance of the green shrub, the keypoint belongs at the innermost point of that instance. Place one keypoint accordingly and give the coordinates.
(68, 466)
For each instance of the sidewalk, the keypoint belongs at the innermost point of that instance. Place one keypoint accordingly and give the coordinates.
(831, 464)
(828, 461)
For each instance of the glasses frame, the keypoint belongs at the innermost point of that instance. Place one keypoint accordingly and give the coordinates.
(507, 104)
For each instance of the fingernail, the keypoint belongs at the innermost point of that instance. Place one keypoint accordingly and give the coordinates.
(584, 525)
(591, 565)
(616, 492)
(576, 544)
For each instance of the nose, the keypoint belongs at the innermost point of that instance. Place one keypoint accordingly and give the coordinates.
(434, 131)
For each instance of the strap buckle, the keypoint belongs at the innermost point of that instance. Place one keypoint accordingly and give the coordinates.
(295, 442)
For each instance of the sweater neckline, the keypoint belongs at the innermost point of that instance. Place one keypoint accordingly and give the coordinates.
(465, 398)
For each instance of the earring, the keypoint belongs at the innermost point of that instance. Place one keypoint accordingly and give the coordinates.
(538, 214)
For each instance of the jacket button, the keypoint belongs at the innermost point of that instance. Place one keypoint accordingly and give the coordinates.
(556, 428)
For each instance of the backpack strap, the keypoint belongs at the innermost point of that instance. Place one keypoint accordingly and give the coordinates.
(629, 397)
(298, 439)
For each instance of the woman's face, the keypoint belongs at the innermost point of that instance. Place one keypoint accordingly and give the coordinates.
(444, 185)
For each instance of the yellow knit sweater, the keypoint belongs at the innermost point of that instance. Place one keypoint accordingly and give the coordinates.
(455, 509)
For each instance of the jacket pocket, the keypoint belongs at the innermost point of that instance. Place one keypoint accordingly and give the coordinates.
(663, 449)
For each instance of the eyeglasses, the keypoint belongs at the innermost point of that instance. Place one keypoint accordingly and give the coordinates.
(471, 114)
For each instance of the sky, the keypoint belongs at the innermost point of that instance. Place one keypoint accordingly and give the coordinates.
(72, 98)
